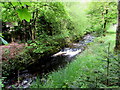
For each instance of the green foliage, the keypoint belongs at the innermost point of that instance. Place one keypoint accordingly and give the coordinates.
(24, 14)
(37, 83)
(52, 25)
(53, 18)
(8, 12)
(79, 22)
(11, 9)
(90, 71)
(101, 15)
(44, 44)
(1, 80)
(51, 30)
(20, 3)
(20, 62)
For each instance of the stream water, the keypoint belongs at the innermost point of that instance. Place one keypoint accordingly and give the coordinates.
(49, 64)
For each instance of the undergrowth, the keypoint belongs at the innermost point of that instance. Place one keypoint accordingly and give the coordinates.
(96, 67)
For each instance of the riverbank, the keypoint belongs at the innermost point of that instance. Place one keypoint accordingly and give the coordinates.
(89, 70)
(46, 65)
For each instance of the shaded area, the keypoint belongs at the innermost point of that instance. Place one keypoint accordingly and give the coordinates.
(49, 64)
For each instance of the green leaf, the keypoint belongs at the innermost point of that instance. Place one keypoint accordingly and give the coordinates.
(1, 4)
(26, 3)
(15, 3)
(4, 41)
(21, 3)
(24, 14)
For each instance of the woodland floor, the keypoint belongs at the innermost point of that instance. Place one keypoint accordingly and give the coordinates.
(11, 50)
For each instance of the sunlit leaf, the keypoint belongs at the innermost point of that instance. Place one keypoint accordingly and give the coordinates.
(15, 3)
(1, 4)
(26, 3)
(24, 14)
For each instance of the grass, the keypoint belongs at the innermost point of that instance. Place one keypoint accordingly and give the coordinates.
(86, 70)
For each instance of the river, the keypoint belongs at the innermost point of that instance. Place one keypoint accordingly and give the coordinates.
(59, 60)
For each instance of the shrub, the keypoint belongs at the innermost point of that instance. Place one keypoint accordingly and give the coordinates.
(19, 62)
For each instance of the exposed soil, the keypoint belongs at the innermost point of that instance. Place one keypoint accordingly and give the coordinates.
(11, 50)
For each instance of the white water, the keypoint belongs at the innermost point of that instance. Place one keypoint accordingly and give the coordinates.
(66, 52)
(69, 53)
(78, 47)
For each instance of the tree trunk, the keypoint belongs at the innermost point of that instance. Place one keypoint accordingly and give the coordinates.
(104, 13)
(117, 47)
(105, 21)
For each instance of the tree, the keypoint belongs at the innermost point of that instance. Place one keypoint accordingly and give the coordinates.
(117, 47)
(102, 13)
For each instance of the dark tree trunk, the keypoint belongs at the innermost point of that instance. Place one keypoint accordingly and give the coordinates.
(105, 12)
(117, 47)
(105, 21)
(33, 27)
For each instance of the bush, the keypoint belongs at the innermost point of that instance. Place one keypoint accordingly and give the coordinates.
(19, 62)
